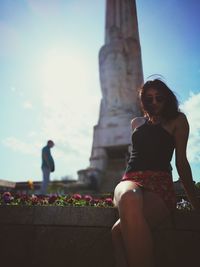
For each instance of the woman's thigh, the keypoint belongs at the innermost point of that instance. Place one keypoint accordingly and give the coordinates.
(154, 208)
(126, 186)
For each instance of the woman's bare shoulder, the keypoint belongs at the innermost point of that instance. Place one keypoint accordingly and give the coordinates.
(137, 122)
(181, 115)
(178, 125)
(181, 118)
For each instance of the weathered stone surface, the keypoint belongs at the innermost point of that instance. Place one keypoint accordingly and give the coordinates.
(16, 215)
(54, 215)
(186, 220)
(177, 248)
(72, 246)
(121, 74)
(74, 236)
(16, 244)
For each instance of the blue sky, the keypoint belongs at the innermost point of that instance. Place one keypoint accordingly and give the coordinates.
(49, 77)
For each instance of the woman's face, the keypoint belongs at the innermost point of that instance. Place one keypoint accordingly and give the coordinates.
(154, 100)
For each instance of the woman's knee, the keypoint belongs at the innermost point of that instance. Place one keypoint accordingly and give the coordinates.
(116, 231)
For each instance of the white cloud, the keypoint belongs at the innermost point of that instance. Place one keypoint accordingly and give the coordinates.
(27, 105)
(17, 91)
(18, 145)
(32, 134)
(191, 108)
(13, 89)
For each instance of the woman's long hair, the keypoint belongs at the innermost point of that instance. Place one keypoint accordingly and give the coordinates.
(171, 105)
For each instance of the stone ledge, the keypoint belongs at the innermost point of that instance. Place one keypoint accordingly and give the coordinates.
(52, 236)
(86, 216)
(54, 215)
(186, 220)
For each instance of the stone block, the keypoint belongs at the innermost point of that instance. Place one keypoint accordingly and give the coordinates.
(16, 245)
(72, 246)
(176, 248)
(80, 236)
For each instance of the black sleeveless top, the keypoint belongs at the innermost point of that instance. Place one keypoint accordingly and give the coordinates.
(152, 149)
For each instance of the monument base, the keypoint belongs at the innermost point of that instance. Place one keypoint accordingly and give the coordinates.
(112, 175)
(111, 160)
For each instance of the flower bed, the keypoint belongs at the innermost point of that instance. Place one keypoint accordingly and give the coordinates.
(76, 200)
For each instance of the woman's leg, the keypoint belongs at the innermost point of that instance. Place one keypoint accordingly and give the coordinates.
(135, 209)
(118, 246)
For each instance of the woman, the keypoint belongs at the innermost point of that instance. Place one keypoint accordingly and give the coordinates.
(146, 196)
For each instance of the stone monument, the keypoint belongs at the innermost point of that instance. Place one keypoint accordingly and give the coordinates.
(121, 75)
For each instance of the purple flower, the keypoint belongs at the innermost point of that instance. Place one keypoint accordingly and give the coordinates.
(184, 205)
(52, 199)
(7, 197)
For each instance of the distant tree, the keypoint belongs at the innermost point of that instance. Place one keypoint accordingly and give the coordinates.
(55, 187)
(66, 178)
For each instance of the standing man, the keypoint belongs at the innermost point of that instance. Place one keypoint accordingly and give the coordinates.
(47, 165)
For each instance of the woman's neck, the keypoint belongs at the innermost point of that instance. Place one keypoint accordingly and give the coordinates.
(155, 119)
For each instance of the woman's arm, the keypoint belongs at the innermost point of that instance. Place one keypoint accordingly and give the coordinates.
(182, 164)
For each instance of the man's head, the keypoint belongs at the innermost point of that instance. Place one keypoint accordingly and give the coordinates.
(50, 143)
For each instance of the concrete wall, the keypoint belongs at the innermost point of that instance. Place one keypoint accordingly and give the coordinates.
(80, 236)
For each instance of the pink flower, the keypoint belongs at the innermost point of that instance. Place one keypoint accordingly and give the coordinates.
(96, 200)
(109, 201)
(34, 200)
(88, 198)
(23, 198)
(77, 196)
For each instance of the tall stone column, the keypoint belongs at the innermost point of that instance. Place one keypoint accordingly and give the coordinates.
(121, 74)
(120, 61)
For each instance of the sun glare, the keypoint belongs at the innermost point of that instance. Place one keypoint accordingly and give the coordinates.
(63, 70)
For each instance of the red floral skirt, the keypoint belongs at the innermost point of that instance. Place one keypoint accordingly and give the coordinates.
(159, 182)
